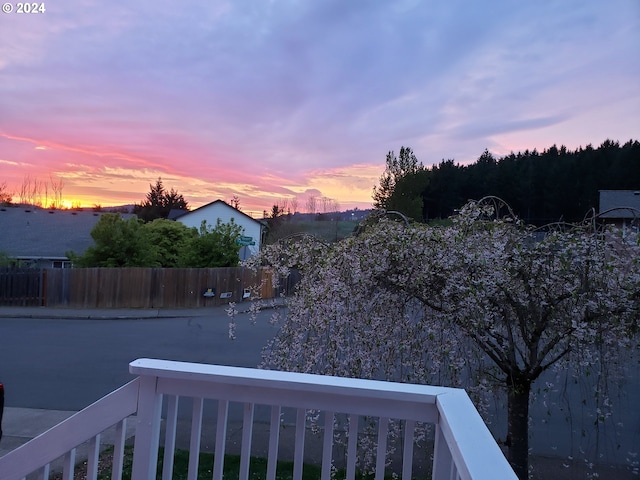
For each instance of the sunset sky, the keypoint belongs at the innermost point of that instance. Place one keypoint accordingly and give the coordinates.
(270, 99)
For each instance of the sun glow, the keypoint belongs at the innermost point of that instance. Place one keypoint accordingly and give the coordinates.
(72, 203)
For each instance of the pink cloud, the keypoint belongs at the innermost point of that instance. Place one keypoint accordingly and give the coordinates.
(248, 101)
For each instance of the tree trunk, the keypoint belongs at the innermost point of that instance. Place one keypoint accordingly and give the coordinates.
(518, 426)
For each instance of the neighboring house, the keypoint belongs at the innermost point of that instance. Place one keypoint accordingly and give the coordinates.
(622, 209)
(41, 237)
(211, 212)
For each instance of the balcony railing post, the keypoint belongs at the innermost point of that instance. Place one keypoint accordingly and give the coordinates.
(145, 460)
(442, 459)
(462, 434)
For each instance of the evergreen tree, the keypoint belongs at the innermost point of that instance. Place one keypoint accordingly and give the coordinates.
(556, 184)
(159, 202)
(399, 189)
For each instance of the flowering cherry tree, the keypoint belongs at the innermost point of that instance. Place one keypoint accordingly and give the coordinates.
(484, 303)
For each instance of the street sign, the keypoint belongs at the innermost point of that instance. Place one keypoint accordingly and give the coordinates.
(244, 241)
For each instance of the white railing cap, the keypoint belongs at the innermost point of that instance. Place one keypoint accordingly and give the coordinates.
(284, 380)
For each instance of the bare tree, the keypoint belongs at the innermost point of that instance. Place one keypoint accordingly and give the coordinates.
(28, 188)
(23, 190)
(312, 204)
(57, 186)
(283, 205)
(235, 202)
(45, 190)
(293, 201)
(326, 204)
(34, 191)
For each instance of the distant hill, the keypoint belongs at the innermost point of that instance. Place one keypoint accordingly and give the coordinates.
(354, 215)
(119, 208)
(327, 227)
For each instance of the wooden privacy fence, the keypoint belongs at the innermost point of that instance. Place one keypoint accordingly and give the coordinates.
(145, 287)
(21, 287)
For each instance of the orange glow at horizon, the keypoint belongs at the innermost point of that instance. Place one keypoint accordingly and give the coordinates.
(90, 177)
(349, 189)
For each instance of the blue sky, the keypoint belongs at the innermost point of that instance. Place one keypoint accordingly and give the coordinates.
(270, 100)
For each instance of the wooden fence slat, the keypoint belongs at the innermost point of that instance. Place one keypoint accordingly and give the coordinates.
(133, 287)
(21, 286)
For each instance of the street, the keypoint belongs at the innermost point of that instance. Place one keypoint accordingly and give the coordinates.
(68, 364)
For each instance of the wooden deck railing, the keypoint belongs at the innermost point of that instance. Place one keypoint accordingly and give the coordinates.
(463, 446)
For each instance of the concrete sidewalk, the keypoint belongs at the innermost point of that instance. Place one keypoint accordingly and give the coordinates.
(122, 313)
(23, 424)
(19, 425)
(109, 313)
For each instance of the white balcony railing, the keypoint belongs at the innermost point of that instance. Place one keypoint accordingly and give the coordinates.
(463, 446)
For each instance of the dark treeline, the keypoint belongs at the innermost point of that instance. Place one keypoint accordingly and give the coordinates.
(541, 187)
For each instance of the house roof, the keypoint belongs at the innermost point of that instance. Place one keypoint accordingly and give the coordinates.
(619, 203)
(31, 232)
(221, 203)
(176, 213)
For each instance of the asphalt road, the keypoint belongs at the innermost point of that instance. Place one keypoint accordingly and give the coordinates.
(63, 364)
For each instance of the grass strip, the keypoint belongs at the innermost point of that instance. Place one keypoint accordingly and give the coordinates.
(257, 468)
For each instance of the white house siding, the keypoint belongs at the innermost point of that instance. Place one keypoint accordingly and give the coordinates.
(220, 210)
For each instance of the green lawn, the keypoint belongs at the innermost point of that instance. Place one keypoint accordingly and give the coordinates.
(257, 468)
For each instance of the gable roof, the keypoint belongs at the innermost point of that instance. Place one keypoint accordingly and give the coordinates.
(32, 232)
(176, 213)
(619, 203)
(223, 204)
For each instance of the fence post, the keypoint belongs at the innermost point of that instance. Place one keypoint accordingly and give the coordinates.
(43, 287)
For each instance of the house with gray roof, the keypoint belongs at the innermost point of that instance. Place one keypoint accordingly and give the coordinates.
(621, 208)
(41, 237)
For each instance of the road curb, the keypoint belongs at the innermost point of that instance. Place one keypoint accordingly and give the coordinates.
(122, 314)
